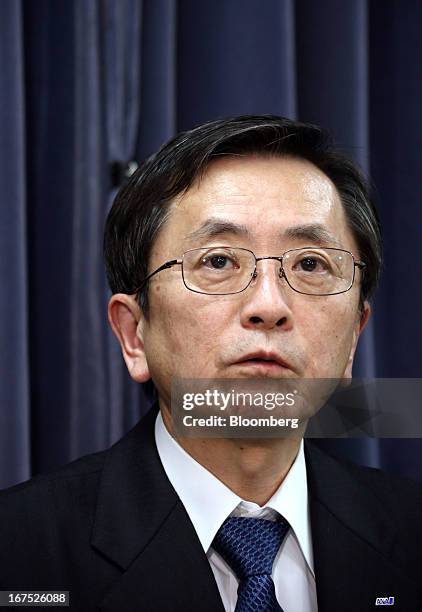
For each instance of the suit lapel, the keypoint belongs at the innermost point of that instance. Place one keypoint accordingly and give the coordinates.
(142, 527)
(353, 539)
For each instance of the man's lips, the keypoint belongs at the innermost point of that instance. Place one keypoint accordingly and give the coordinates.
(263, 359)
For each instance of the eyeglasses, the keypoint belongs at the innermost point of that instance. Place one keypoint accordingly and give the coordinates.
(224, 270)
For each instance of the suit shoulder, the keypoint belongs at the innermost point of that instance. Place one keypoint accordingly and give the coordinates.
(382, 481)
(398, 495)
(403, 495)
(67, 480)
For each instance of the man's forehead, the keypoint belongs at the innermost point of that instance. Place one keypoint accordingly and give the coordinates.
(237, 178)
(288, 197)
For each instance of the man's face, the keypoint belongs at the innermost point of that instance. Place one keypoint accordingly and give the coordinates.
(191, 335)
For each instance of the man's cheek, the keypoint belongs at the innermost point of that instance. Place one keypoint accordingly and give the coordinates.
(330, 349)
(339, 351)
(189, 333)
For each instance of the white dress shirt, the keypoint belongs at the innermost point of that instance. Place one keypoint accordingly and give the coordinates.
(209, 502)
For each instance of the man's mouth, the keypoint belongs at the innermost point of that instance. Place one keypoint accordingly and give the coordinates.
(263, 360)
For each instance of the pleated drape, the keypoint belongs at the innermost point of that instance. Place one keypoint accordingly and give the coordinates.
(14, 360)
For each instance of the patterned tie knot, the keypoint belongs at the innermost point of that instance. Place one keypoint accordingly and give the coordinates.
(250, 545)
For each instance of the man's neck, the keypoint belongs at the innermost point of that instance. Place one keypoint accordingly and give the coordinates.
(251, 468)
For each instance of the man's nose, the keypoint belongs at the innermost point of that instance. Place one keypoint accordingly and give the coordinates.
(266, 302)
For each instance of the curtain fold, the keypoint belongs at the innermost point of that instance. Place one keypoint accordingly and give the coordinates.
(15, 449)
(159, 75)
(235, 58)
(89, 421)
(121, 28)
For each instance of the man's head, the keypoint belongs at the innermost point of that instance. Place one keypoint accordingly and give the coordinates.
(265, 184)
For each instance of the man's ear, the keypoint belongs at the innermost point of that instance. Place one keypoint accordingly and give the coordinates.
(360, 325)
(127, 322)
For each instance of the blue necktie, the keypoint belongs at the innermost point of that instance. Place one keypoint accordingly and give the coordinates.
(249, 546)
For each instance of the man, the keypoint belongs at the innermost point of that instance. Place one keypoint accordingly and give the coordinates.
(247, 248)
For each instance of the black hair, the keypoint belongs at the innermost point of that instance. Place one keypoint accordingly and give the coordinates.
(141, 206)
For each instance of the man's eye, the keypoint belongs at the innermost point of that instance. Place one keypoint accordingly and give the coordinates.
(312, 264)
(308, 264)
(218, 262)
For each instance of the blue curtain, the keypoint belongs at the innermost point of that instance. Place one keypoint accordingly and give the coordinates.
(15, 402)
(89, 85)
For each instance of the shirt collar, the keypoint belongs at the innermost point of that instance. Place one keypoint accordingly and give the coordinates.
(198, 489)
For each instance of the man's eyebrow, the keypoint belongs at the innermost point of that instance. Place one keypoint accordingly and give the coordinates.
(312, 232)
(212, 228)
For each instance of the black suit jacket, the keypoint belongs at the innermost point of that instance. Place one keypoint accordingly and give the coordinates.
(110, 529)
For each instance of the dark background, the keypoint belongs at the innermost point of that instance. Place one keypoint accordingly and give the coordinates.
(88, 83)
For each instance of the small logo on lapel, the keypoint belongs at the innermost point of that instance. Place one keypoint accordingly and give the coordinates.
(384, 601)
